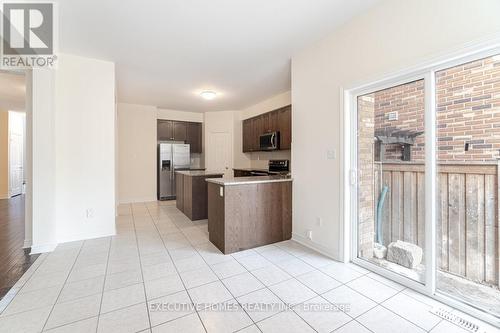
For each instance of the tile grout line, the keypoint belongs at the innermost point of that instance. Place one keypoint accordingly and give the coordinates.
(65, 281)
(197, 250)
(140, 265)
(320, 295)
(104, 284)
(20, 288)
(229, 291)
(178, 273)
(272, 292)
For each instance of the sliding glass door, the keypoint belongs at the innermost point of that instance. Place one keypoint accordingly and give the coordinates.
(468, 143)
(426, 159)
(391, 170)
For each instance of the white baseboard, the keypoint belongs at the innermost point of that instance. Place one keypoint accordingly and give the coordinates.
(42, 248)
(27, 243)
(75, 238)
(314, 246)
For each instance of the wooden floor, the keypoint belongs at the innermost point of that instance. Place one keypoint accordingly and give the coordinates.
(14, 260)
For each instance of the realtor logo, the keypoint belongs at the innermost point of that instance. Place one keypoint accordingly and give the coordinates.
(28, 32)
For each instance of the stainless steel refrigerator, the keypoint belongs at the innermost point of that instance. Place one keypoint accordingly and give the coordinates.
(171, 157)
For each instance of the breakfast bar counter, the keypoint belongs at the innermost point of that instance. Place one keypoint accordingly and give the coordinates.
(247, 212)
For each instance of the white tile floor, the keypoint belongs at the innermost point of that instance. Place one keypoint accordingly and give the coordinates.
(159, 258)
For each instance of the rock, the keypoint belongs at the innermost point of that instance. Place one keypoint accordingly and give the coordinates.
(379, 251)
(404, 254)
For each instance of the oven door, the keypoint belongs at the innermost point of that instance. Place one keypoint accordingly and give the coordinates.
(269, 141)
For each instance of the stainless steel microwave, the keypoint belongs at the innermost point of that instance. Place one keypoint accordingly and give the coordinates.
(270, 141)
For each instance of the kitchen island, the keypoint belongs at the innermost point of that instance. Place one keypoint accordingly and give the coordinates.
(191, 192)
(248, 212)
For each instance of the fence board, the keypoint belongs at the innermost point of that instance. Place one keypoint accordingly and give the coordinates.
(397, 206)
(467, 223)
(490, 250)
(420, 203)
(386, 212)
(442, 223)
(474, 200)
(456, 213)
(409, 207)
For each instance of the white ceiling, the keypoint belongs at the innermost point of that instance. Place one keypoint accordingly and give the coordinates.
(167, 51)
(12, 91)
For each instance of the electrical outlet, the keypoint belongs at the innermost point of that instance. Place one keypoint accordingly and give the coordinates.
(89, 213)
(309, 234)
(221, 191)
(319, 221)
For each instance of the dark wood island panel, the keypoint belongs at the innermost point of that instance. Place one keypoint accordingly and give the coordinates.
(249, 215)
(191, 193)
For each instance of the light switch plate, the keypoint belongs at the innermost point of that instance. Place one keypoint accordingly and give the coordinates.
(331, 154)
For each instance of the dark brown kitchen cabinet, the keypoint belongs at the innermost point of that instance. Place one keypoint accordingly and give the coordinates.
(257, 130)
(273, 123)
(188, 132)
(269, 122)
(247, 135)
(180, 131)
(284, 126)
(165, 130)
(279, 120)
(194, 137)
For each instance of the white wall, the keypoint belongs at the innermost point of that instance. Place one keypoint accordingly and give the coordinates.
(84, 148)
(196, 117)
(137, 149)
(136, 153)
(270, 104)
(219, 122)
(392, 36)
(40, 196)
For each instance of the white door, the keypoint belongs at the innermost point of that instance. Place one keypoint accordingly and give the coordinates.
(220, 152)
(16, 153)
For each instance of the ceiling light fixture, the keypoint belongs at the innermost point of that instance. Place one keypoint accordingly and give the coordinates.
(208, 95)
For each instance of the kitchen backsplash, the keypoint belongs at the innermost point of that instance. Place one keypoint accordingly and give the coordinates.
(196, 161)
(259, 160)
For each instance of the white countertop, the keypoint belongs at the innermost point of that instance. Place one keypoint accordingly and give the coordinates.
(199, 173)
(248, 180)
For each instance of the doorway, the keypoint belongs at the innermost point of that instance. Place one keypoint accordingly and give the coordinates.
(17, 152)
(424, 156)
(220, 158)
(15, 255)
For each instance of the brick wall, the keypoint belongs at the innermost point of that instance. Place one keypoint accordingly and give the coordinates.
(407, 101)
(468, 111)
(468, 106)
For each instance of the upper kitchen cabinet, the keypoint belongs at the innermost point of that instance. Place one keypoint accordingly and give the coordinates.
(257, 130)
(284, 126)
(247, 135)
(165, 130)
(270, 122)
(180, 131)
(279, 120)
(188, 132)
(194, 137)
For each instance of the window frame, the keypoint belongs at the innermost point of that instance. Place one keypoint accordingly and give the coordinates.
(426, 71)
